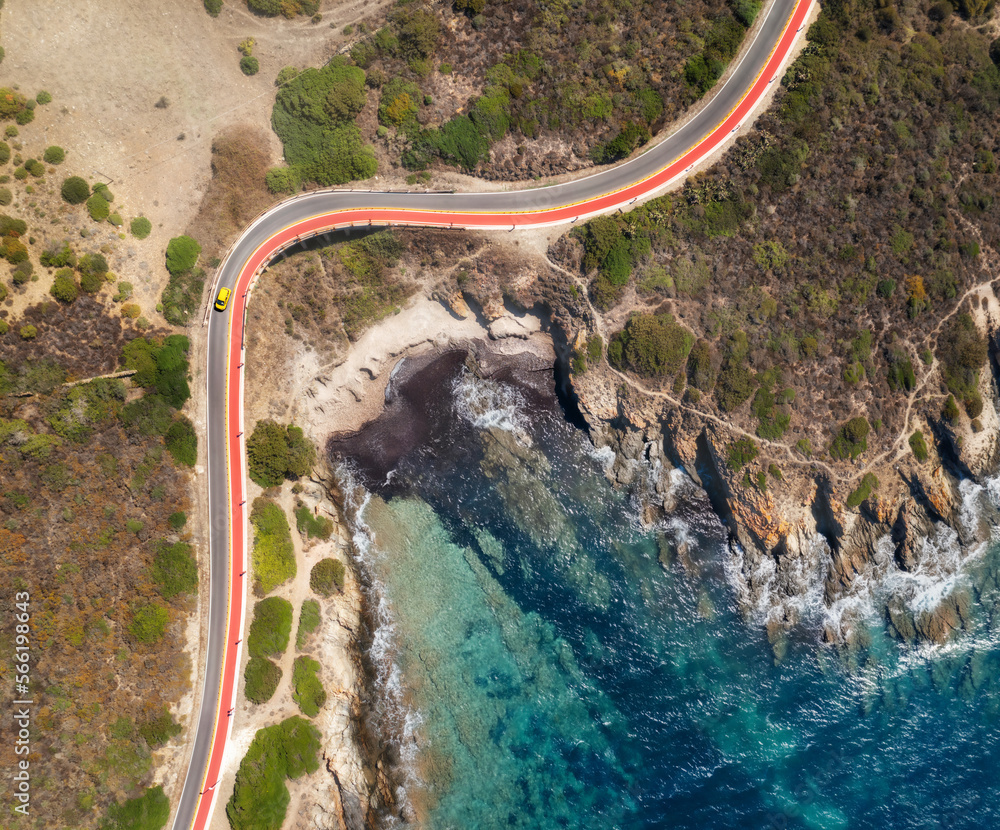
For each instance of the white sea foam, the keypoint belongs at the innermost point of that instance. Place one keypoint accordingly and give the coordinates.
(395, 719)
(487, 404)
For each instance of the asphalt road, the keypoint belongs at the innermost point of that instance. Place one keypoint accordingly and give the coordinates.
(314, 213)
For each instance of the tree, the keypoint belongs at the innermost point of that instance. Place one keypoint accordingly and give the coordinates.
(75, 190)
(182, 254)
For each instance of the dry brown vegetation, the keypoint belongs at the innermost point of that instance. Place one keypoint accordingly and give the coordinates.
(241, 157)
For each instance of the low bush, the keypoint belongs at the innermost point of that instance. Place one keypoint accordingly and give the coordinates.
(140, 227)
(75, 190)
(851, 440)
(182, 442)
(283, 180)
(919, 446)
(98, 207)
(149, 623)
(260, 797)
(315, 527)
(313, 115)
(262, 677)
(175, 569)
(64, 287)
(149, 811)
(309, 620)
(308, 691)
(326, 576)
(651, 345)
(275, 452)
(182, 254)
(963, 352)
(271, 627)
(159, 730)
(273, 553)
(741, 452)
(864, 490)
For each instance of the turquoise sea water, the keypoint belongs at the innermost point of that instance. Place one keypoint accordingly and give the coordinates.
(548, 663)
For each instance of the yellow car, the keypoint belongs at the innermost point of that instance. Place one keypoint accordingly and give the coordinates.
(223, 299)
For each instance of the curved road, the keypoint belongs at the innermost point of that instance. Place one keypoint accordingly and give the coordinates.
(314, 213)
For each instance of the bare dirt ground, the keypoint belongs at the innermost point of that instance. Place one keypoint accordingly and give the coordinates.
(108, 62)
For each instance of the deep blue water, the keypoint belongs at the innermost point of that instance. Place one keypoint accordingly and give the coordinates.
(556, 665)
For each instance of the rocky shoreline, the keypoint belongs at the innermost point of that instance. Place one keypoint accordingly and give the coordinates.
(799, 546)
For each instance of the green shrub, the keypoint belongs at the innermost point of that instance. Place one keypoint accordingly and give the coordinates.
(918, 445)
(868, 484)
(283, 180)
(177, 520)
(312, 117)
(309, 620)
(6, 197)
(149, 811)
(140, 227)
(75, 190)
(35, 167)
(182, 442)
(746, 11)
(275, 452)
(54, 155)
(951, 411)
(271, 627)
(21, 173)
(308, 692)
(159, 730)
(98, 207)
(851, 440)
(249, 65)
(262, 677)
(213, 7)
(629, 137)
(740, 453)
(123, 292)
(4, 152)
(963, 352)
(651, 345)
(43, 97)
(734, 386)
(28, 332)
(273, 553)
(315, 527)
(260, 797)
(64, 287)
(149, 622)
(182, 254)
(58, 255)
(326, 576)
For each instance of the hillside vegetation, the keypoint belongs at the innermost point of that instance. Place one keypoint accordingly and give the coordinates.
(817, 268)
